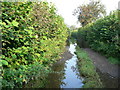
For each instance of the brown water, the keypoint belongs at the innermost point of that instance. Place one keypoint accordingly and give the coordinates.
(66, 74)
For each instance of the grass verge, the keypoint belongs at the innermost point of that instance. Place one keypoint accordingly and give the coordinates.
(114, 60)
(87, 70)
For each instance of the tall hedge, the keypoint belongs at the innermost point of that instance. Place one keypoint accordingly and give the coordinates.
(32, 35)
(102, 35)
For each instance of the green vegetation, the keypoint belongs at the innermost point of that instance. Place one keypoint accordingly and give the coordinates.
(33, 37)
(74, 34)
(87, 70)
(103, 36)
(90, 12)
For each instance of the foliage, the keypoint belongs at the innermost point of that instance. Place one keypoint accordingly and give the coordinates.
(74, 34)
(72, 27)
(87, 70)
(16, 78)
(90, 12)
(103, 36)
(31, 32)
(114, 60)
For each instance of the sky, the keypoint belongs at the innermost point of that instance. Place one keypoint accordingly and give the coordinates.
(65, 8)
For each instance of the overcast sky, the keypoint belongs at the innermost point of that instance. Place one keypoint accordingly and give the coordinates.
(66, 7)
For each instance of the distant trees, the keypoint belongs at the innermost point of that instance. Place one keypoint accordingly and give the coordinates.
(89, 12)
(73, 27)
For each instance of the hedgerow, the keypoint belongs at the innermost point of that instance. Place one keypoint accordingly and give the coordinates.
(32, 33)
(103, 36)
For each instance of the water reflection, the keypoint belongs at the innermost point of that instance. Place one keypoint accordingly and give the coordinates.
(67, 75)
(54, 79)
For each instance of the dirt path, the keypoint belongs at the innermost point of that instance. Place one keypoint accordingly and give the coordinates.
(109, 73)
(102, 63)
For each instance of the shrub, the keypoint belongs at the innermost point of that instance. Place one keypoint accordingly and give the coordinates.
(74, 34)
(31, 32)
(16, 78)
(102, 36)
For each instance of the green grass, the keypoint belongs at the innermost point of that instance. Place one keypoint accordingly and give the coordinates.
(87, 70)
(114, 60)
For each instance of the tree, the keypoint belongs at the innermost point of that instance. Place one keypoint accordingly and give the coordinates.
(72, 27)
(90, 12)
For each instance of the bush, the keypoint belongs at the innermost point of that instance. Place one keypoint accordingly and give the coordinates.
(31, 32)
(16, 78)
(74, 34)
(103, 36)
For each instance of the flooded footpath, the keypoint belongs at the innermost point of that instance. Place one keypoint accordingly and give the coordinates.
(65, 72)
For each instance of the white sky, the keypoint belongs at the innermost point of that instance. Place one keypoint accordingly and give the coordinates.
(66, 7)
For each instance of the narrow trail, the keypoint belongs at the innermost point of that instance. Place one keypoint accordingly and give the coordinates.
(103, 64)
(109, 73)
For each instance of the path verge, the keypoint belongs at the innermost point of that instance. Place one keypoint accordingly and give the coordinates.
(109, 73)
(87, 70)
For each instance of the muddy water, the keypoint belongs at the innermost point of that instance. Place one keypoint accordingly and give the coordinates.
(65, 73)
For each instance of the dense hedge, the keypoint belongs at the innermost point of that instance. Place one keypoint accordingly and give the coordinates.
(102, 36)
(32, 33)
(74, 34)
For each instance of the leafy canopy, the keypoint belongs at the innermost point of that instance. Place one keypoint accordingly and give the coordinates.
(89, 12)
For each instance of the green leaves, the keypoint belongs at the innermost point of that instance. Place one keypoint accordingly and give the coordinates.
(4, 62)
(15, 23)
(31, 33)
(102, 36)
(26, 37)
(14, 56)
(90, 12)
